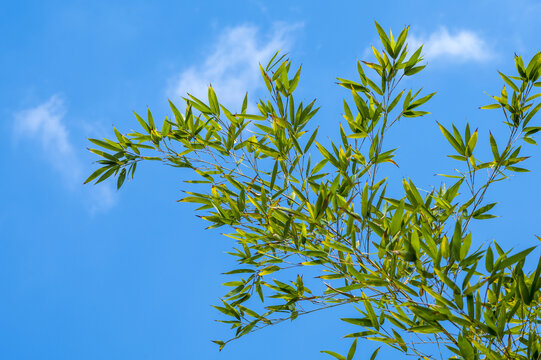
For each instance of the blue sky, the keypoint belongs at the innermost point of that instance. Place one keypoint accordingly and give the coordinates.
(87, 272)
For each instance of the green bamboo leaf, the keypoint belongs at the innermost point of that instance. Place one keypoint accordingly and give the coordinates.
(385, 40)
(358, 321)
(523, 290)
(466, 349)
(95, 174)
(333, 354)
(529, 140)
(327, 155)
(479, 212)
(374, 87)
(239, 271)
(352, 350)
(271, 64)
(213, 101)
(451, 139)
(536, 280)
(397, 218)
(509, 82)
(531, 114)
(425, 329)
(395, 101)
(400, 341)
(178, 116)
(198, 105)
(269, 270)
(375, 353)
(109, 157)
(513, 259)
(248, 328)
(142, 122)
(494, 148)
(273, 176)
(421, 101)
(456, 240)
(219, 343)
(414, 70)
(295, 81)
(361, 334)
(166, 127)
(414, 59)
(489, 260)
(150, 120)
(370, 311)
(107, 174)
(519, 63)
(471, 143)
(311, 140)
(338, 246)
(121, 178)
(491, 107)
(405, 288)
(106, 145)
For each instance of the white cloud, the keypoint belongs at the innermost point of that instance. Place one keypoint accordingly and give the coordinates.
(232, 66)
(463, 45)
(44, 124)
(43, 128)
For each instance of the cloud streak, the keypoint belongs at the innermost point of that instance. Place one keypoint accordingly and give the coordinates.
(460, 46)
(232, 66)
(43, 127)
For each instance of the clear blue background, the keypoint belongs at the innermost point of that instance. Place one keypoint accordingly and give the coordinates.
(88, 273)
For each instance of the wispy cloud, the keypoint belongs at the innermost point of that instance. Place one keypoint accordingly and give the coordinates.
(232, 66)
(462, 46)
(43, 127)
(44, 124)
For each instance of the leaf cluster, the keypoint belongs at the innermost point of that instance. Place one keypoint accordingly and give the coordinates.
(295, 205)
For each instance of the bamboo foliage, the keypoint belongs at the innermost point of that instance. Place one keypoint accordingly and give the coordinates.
(296, 206)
